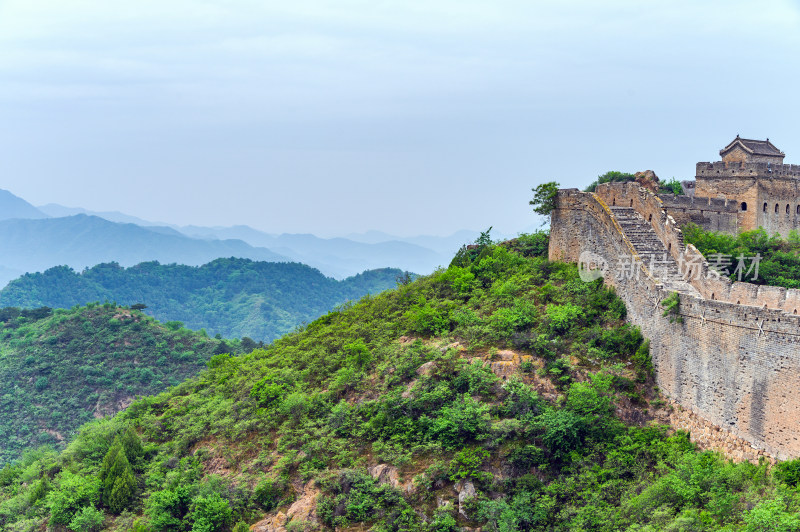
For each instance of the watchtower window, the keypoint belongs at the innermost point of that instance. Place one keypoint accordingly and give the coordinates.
(631, 203)
(765, 207)
(787, 208)
(797, 210)
(744, 205)
(776, 208)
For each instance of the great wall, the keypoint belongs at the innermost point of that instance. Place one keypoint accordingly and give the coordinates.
(731, 363)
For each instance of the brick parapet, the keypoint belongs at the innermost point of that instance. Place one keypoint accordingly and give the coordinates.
(722, 169)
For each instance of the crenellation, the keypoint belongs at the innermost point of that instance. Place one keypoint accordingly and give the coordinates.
(755, 169)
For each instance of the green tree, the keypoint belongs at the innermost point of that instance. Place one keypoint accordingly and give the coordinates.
(132, 445)
(116, 474)
(544, 199)
(211, 513)
(41, 384)
(673, 186)
(89, 519)
(613, 176)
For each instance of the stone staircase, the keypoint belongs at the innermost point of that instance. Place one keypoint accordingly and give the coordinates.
(651, 250)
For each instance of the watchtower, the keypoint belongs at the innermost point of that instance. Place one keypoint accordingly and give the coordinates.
(752, 173)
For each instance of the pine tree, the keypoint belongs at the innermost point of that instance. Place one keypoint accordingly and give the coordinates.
(116, 475)
(124, 488)
(132, 445)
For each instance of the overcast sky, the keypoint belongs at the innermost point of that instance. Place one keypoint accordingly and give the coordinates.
(403, 116)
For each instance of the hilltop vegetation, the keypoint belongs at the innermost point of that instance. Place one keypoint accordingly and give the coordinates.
(672, 186)
(60, 369)
(231, 297)
(490, 395)
(780, 258)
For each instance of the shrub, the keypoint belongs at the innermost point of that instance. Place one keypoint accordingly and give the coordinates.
(461, 421)
(467, 464)
(522, 400)
(443, 519)
(210, 513)
(788, 472)
(771, 516)
(426, 320)
(74, 492)
(267, 392)
(525, 457)
(461, 280)
(166, 508)
(89, 519)
(672, 308)
(41, 383)
(357, 353)
(295, 405)
(269, 492)
(642, 359)
(612, 176)
(508, 320)
(564, 431)
(564, 317)
(473, 378)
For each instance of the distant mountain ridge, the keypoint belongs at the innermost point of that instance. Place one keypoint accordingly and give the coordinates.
(231, 297)
(12, 206)
(338, 257)
(81, 241)
(36, 238)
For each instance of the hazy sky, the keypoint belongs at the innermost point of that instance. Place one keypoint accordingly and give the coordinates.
(403, 116)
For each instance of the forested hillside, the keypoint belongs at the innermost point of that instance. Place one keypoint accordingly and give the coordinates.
(231, 297)
(59, 369)
(502, 393)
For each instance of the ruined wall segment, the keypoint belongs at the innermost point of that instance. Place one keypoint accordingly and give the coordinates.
(736, 366)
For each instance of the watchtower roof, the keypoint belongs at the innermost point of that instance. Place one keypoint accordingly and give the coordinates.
(753, 147)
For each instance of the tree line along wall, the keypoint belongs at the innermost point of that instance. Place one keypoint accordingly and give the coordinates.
(735, 365)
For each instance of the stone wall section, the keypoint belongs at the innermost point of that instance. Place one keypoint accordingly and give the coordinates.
(710, 213)
(708, 436)
(736, 366)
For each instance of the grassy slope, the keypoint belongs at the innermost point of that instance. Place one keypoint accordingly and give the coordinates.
(59, 371)
(382, 382)
(231, 297)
